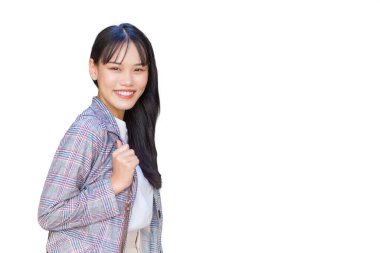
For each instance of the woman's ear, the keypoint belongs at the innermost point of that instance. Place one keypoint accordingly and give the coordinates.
(93, 69)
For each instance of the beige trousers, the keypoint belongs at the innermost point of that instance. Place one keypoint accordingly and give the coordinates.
(133, 242)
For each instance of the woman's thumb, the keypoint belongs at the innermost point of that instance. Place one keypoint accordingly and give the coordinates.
(118, 144)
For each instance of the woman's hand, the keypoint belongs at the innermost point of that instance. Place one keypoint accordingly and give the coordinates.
(124, 162)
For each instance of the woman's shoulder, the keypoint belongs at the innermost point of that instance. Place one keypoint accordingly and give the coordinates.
(87, 123)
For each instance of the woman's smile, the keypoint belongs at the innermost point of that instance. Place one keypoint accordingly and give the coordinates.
(125, 94)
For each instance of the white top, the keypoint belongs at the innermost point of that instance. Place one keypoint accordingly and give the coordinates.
(142, 209)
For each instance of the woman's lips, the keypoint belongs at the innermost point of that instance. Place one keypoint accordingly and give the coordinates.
(125, 94)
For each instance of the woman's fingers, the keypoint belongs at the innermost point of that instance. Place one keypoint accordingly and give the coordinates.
(124, 154)
(124, 162)
(120, 148)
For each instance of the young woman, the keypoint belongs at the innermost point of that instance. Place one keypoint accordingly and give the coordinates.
(101, 193)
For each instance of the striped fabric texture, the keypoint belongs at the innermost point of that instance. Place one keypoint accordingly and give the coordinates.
(78, 205)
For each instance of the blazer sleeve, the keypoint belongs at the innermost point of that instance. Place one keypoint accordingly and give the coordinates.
(64, 202)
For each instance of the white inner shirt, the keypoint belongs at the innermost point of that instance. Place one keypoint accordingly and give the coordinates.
(142, 209)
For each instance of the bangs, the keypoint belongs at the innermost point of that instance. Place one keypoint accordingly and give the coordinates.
(114, 49)
(142, 52)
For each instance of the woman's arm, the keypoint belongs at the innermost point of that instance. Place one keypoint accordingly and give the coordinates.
(63, 204)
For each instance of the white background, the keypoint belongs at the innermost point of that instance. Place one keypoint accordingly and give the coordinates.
(269, 134)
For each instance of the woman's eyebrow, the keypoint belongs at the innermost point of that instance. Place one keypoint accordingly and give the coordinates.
(119, 63)
(114, 62)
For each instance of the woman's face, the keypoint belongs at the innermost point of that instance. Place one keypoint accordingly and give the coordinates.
(120, 84)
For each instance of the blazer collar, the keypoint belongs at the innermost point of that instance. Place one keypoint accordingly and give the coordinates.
(104, 114)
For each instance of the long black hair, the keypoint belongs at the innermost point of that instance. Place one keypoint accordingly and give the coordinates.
(142, 117)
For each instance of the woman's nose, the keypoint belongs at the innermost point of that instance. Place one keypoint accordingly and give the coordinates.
(126, 79)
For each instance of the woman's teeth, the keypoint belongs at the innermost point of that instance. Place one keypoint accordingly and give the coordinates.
(125, 93)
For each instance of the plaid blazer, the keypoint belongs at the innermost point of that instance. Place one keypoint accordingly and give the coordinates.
(78, 205)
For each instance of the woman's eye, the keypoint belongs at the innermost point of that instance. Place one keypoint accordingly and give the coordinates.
(115, 68)
(139, 70)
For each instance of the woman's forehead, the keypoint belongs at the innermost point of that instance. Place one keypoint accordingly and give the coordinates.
(126, 52)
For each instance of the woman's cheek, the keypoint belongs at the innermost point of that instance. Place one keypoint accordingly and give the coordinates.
(142, 82)
(110, 80)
